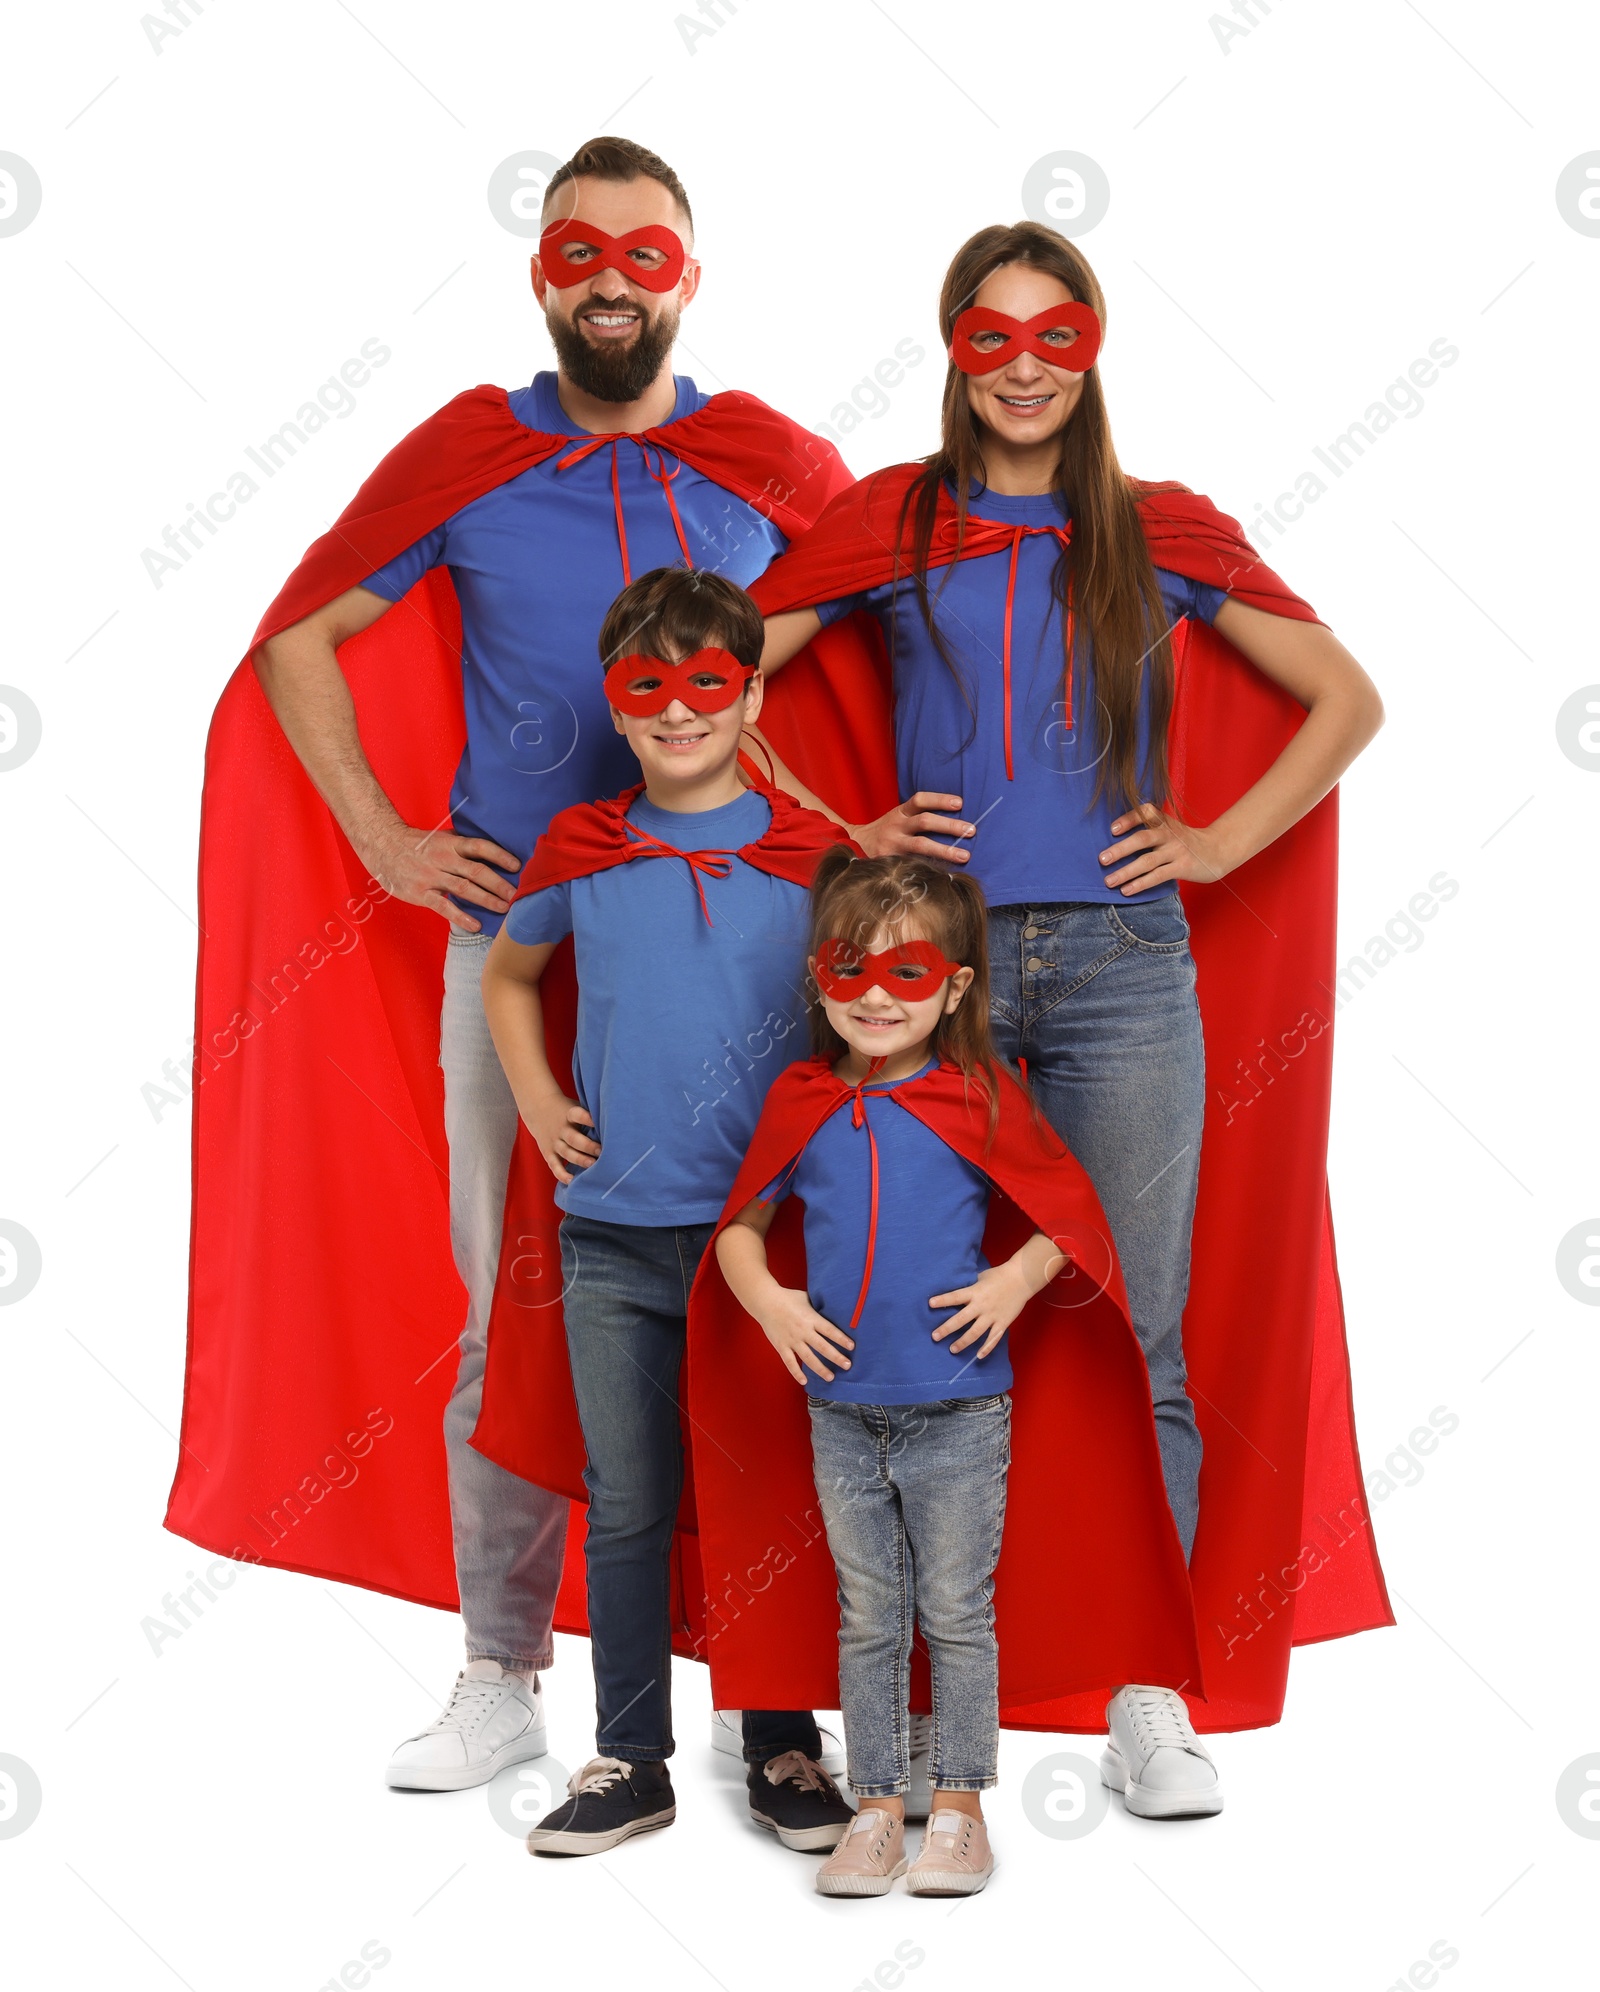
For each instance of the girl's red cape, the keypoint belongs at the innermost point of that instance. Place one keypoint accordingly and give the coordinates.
(324, 1307)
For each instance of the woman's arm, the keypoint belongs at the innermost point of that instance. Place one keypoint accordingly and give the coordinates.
(787, 1318)
(512, 1004)
(786, 634)
(1343, 712)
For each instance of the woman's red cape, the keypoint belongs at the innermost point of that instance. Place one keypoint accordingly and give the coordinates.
(1091, 1589)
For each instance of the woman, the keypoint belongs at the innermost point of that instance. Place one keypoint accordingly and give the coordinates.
(1017, 577)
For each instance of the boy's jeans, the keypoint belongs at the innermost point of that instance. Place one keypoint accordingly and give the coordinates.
(914, 1496)
(626, 1289)
(509, 1535)
(1099, 1000)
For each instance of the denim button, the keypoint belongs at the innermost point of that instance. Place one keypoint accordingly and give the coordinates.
(1034, 962)
(1029, 932)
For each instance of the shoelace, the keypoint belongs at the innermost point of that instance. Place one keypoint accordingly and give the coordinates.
(805, 1773)
(598, 1775)
(1160, 1718)
(469, 1703)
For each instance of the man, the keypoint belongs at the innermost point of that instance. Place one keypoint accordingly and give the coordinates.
(538, 525)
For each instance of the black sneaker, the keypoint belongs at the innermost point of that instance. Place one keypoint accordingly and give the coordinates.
(609, 1801)
(794, 1797)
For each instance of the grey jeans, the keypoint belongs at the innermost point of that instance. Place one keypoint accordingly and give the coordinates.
(509, 1535)
(914, 1498)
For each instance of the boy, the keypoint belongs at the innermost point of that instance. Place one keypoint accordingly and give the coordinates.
(686, 899)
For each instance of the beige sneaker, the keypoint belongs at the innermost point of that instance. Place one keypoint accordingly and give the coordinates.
(868, 1858)
(955, 1857)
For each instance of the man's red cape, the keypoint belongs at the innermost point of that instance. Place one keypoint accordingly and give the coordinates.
(1284, 1554)
(324, 1305)
(1091, 1589)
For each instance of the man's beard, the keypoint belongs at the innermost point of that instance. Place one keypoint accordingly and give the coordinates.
(610, 370)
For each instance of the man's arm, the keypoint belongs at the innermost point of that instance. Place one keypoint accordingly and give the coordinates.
(300, 674)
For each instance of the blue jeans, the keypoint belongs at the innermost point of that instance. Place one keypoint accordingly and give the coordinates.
(626, 1300)
(1099, 1001)
(913, 1497)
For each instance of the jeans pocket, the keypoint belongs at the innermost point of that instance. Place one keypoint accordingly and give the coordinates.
(975, 1404)
(1156, 926)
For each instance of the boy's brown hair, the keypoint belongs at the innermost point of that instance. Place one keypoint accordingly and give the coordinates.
(852, 898)
(671, 612)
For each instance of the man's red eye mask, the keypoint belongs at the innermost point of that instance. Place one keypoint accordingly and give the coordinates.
(611, 253)
(673, 681)
(845, 971)
(1025, 336)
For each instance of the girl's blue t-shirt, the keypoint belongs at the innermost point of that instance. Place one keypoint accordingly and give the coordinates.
(1040, 833)
(683, 1024)
(932, 1209)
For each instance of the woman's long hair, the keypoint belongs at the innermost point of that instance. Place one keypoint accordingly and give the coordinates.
(852, 898)
(1106, 573)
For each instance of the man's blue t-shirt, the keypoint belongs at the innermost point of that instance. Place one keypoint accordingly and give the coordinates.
(682, 1025)
(932, 1208)
(536, 564)
(1039, 834)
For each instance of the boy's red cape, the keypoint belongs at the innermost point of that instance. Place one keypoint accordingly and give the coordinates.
(1091, 1587)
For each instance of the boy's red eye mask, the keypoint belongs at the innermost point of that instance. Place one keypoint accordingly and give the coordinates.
(723, 679)
(1026, 336)
(611, 253)
(910, 973)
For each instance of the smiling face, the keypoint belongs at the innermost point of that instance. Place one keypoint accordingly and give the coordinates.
(1029, 401)
(613, 335)
(894, 1028)
(680, 749)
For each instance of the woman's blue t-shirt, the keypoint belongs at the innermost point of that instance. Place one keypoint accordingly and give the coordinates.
(932, 1209)
(1040, 833)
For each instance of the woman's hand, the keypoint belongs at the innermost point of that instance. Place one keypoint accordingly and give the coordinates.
(906, 829)
(556, 1124)
(1162, 848)
(801, 1335)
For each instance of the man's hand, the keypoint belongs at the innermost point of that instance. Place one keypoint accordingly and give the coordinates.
(557, 1125)
(906, 829)
(801, 1335)
(1161, 850)
(988, 1308)
(425, 867)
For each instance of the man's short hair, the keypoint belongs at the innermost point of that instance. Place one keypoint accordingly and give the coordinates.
(672, 612)
(618, 159)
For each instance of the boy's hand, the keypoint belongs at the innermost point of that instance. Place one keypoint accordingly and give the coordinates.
(556, 1125)
(801, 1335)
(988, 1307)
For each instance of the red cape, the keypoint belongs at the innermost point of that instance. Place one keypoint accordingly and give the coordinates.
(324, 1307)
(1284, 1554)
(1091, 1589)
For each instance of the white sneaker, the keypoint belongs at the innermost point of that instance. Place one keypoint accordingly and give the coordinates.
(1155, 1759)
(919, 1799)
(491, 1719)
(727, 1735)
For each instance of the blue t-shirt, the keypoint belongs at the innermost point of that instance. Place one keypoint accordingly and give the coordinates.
(682, 1026)
(1039, 834)
(536, 564)
(932, 1208)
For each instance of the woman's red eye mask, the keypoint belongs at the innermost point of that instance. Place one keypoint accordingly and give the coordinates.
(724, 681)
(611, 253)
(1026, 336)
(911, 973)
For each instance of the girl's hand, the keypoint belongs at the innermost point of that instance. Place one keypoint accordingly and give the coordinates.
(1163, 848)
(556, 1125)
(801, 1335)
(988, 1307)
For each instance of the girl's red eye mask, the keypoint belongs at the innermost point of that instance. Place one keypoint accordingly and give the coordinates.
(611, 253)
(1026, 336)
(709, 681)
(910, 973)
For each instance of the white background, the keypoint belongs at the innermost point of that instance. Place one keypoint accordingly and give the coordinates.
(1293, 220)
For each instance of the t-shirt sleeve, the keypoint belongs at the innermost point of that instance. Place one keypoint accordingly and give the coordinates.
(832, 612)
(542, 916)
(406, 569)
(1184, 597)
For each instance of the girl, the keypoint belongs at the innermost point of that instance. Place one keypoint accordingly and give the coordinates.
(900, 1339)
(1027, 591)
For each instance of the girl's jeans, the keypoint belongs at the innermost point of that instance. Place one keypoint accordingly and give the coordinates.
(913, 1496)
(1099, 1000)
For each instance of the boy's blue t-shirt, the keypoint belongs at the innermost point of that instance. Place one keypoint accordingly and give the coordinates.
(536, 563)
(1040, 833)
(682, 1026)
(932, 1209)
